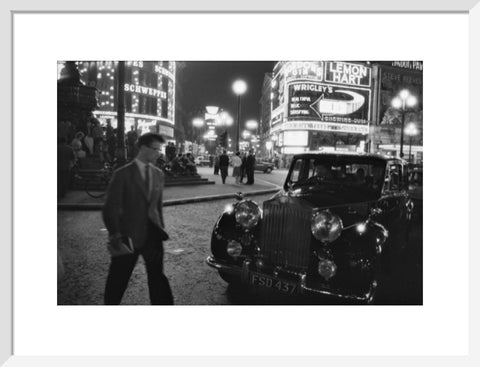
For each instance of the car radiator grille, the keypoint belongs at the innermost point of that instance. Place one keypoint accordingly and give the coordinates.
(285, 237)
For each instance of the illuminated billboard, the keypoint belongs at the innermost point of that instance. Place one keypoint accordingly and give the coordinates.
(149, 92)
(328, 103)
(332, 92)
(348, 74)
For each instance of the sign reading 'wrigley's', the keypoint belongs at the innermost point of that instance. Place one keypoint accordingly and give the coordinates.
(328, 103)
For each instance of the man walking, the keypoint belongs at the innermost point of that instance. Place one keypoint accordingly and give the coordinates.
(133, 216)
(250, 166)
(223, 164)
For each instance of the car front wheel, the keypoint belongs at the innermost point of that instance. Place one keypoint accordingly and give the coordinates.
(268, 170)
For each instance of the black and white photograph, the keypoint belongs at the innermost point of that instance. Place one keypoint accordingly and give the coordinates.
(240, 182)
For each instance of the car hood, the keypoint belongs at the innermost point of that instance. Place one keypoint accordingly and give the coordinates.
(350, 211)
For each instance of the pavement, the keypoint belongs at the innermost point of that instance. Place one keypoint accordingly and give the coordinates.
(177, 195)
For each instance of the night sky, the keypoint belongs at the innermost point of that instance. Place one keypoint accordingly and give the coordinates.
(209, 83)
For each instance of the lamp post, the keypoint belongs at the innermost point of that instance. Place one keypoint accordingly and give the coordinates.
(239, 87)
(401, 102)
(120, 150)
(411, 130)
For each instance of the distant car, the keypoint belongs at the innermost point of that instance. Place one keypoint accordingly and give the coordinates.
(202, 161)
(334, 230)
(263, 166)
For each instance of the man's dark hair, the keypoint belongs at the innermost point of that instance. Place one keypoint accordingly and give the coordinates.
(149, 138)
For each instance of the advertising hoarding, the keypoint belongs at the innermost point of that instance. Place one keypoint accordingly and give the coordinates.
(392, 81)
(348, 74)
(328, 103)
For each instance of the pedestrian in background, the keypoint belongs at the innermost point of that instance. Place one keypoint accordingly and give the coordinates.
(77, 146)
(216, 164)
(65, 162)
(134, 219)
(237, 167)
(223, 165)
(243, 167)
(88, 141)
(111, 140)
(250, 167)
(132, 137)
(97, 134)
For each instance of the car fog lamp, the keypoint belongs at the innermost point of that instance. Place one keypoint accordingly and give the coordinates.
(327, 269)
(361, 228)
(326, 227)
(234, 248)
(247, 214)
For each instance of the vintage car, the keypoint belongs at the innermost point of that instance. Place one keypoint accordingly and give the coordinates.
(333, 230)
(266, 167)
(202, 161)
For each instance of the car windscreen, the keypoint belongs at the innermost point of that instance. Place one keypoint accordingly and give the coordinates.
(360, 174)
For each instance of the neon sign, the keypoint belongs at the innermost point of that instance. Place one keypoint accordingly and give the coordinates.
(145, 90)
(348, 74)
(304, 70)
(329, 103)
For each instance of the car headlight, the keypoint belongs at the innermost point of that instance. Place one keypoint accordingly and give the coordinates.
(326, 227)
(247, 214)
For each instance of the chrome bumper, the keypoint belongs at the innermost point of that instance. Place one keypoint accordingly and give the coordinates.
(245, 269)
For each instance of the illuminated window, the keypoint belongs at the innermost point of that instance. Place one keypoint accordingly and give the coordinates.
(164, 108)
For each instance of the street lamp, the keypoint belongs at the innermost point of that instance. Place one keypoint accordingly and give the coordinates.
(411, 130)
(197, 123)
(239, 87)
(402, 102)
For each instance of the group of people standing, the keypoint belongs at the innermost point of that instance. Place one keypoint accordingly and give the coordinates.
(243, 165)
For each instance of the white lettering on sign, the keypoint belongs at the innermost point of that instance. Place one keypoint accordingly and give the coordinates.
(163, 71)
(145, 90)
(299, 69)
(325, 126)
(312, 88)
(414, 65)
(346, 73)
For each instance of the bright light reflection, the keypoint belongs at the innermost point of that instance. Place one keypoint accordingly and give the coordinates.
(239, 87)
(361, 228)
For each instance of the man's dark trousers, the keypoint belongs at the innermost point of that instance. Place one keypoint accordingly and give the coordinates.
(121, 268)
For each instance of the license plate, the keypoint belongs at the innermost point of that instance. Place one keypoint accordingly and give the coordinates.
(266, 281)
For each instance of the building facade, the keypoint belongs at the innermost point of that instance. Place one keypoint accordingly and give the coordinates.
(336, 105)
(149, 90)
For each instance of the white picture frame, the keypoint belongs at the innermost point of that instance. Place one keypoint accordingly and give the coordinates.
(7, 250)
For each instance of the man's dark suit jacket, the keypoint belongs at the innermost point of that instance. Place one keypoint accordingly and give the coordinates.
(127, 207)
(250, 162)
